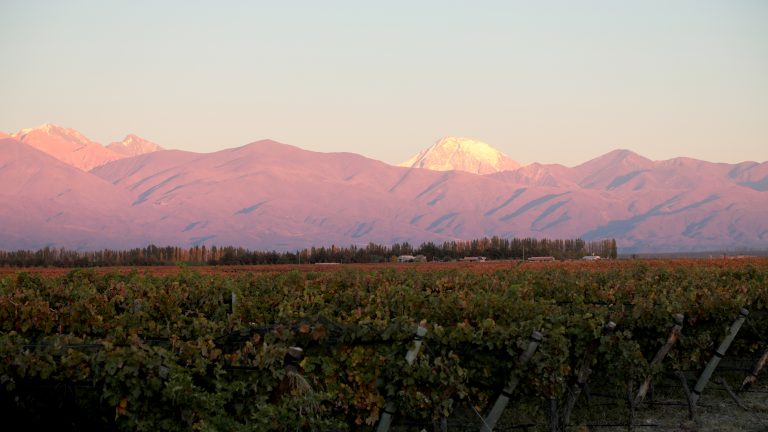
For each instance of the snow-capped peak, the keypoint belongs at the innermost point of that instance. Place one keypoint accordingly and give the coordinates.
(133, 145)
(51, 129)
(462, 154)
(67, 145)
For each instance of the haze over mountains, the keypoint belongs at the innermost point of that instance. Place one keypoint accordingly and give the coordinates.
(61, 189)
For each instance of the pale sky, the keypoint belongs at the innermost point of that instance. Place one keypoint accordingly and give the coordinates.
(543, 81)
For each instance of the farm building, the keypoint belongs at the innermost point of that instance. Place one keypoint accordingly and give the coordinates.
(411, 258)
(474, 258)
(541, 258)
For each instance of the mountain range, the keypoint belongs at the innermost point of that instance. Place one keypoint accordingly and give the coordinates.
(61, 189)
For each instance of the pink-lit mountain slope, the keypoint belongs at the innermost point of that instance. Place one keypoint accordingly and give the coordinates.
(75, 149)
(67, 145)
(133, 145)
(46, 202)
(268, 194)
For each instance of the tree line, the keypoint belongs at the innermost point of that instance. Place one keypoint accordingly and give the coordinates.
(493, 248)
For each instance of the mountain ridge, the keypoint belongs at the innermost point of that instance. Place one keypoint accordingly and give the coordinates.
(133, 145)
(73, 148)
(269, 195)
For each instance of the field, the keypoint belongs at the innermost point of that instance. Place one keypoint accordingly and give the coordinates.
(481, 267)
(210, 348)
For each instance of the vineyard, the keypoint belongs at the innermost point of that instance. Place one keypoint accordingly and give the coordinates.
(511, 346)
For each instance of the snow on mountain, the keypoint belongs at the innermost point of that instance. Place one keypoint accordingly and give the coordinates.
(67, 145)
(267, 195)
(133, 145)
(462, 154)
(75, 149)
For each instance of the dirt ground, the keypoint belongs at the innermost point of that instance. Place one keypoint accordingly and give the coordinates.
(716, 411)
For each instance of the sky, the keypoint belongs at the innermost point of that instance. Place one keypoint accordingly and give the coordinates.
(543, 81)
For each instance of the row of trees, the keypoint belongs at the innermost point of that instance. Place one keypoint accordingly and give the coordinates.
(493, 248)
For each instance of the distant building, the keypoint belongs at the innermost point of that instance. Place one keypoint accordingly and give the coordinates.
(541, 258)
(474, 258)
(411, 258)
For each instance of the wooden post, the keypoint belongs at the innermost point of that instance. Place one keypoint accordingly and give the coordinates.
(631, 420)
(441, 425)
(386, 416)
(389, 407)
(719, 354)
(752, 377)
(291, 366)
(554, 415)
(421, 331)
(688, 395)
(733, 396)
(673, 336)
(583, 375)
(489, 422)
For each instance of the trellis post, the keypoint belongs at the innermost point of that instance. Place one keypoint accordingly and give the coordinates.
(489, 422)
(389, 407)
(583, 375)
(674, 334)
(718, 355)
